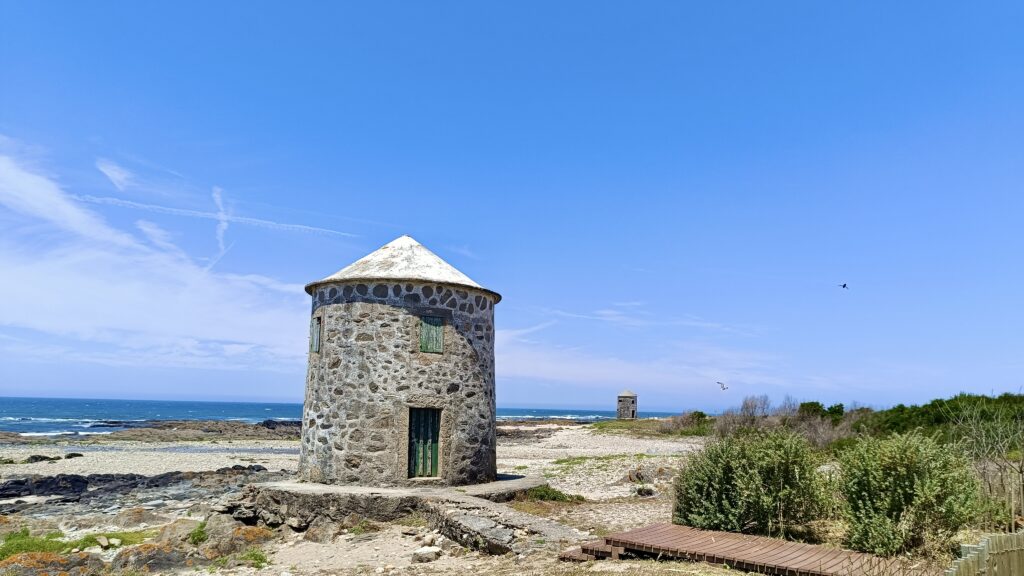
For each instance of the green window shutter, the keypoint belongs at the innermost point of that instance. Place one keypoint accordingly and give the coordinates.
(432, 334)
(314, 335)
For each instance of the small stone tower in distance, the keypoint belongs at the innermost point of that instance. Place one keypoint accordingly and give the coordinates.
(400, 385)
(625, 409)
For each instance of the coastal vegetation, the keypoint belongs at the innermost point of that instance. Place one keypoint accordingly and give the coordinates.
(905, 492)
(694, 423)
(254, 557)
(199, 534)
(548, 494)
(906, 480)
(760, 484)
(22, 541)
(545, 501)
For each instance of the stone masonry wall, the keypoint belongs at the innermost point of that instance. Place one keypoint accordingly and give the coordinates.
(369, 372)
(626, 407)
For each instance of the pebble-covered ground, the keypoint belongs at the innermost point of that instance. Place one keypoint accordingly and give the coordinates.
(596, 466)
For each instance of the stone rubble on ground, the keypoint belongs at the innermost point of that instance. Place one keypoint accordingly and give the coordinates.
(426, 554)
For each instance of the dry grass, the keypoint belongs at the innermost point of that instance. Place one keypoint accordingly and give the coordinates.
(672, 427)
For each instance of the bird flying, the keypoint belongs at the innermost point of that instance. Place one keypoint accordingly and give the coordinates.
(844, 286)
(722, 384)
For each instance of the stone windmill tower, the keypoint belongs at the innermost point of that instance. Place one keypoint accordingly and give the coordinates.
(400, 385)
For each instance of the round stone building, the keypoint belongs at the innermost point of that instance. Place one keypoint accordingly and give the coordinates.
(400, 386)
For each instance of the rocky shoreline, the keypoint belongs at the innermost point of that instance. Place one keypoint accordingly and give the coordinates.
(149, 504)
(197, 430)
(168, 431)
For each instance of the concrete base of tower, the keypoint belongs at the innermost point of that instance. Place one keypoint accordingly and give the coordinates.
(474, 516)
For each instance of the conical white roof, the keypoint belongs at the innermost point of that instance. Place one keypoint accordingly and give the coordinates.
(402, 259)
(627, 392)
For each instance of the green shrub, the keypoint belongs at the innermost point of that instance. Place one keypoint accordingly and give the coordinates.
(760, 483)
(835, 412)
(695, 423)
(938, 414)
(198, 535)
(905, 492)
(841, 444)
(549, 494)
(255, 557)
(811, 410)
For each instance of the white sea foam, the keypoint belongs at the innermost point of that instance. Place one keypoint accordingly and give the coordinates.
(62, 433)
(553, 417)
(34, 419)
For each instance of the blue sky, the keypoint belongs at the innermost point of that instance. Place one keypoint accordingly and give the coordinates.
(666, 193)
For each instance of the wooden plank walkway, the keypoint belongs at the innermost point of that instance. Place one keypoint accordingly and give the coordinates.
(751, 553)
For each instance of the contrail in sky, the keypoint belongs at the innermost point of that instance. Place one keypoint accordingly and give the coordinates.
(218, 216)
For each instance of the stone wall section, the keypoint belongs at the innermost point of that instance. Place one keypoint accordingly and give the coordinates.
(369, 372)
(626, 407)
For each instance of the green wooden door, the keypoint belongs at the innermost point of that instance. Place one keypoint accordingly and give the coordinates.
(424, 431)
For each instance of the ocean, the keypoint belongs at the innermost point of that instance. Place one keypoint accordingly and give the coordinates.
(81, 417)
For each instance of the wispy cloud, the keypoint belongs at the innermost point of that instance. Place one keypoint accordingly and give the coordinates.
(222, 221)
(118, 298)
(635, 315)
(218, 216)
(463, 251)
(39, 198)
(687, 362)
(118, 175)
(158, 237)
(687, 368)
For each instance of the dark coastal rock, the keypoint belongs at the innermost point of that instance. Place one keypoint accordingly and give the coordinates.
(98, 485)
(59, 485)
(322, 530)
(121, 424)
(178, 532)
(226, 536)
(275, 424)
(241, 468)
(40, 458)
(134, 517)
(152, 557)
(177, 430)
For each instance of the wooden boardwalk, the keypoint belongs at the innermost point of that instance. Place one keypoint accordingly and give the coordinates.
(750, 553)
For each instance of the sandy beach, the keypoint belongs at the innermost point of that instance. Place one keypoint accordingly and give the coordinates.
(149, 458)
